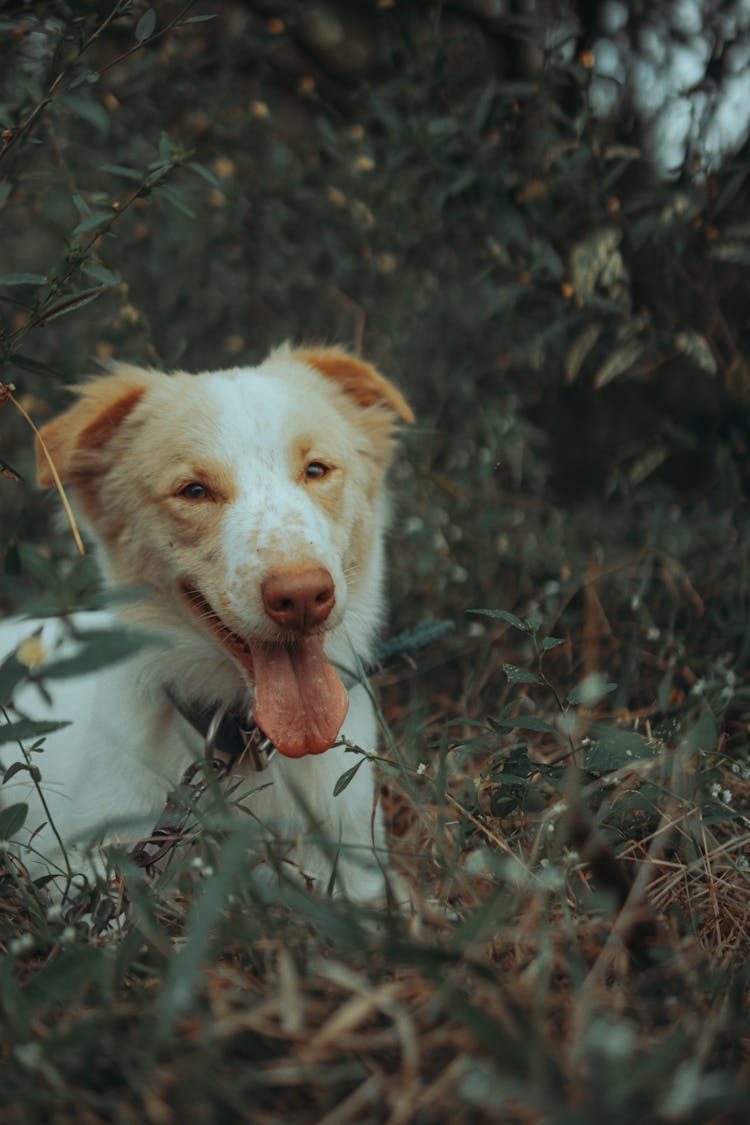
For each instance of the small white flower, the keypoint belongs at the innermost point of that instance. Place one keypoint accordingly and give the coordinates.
(726, 796)
(54, 913)
(422, 768)
(68, 934)
(21, 944)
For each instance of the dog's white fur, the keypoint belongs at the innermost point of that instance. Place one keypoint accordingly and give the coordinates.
(126, 450)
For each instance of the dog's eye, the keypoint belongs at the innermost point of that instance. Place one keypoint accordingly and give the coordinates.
(195, 491)
(316, 470)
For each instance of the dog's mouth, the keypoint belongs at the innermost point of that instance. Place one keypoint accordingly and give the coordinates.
(299, 702)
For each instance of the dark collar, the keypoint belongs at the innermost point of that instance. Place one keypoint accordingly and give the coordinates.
(229, 732)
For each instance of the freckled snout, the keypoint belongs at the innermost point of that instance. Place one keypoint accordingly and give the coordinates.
(299, 598)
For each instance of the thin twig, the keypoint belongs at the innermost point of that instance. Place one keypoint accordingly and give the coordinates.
(55, 475)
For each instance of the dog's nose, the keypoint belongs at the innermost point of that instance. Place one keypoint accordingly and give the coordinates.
(299, 599)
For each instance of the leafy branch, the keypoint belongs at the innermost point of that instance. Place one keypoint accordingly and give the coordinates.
(100, 224)
(144, 34)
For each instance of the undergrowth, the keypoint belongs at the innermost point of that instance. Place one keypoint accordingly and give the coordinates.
(565, 774)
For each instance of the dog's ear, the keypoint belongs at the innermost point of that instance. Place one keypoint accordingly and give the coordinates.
(360, 380)
(102, 406)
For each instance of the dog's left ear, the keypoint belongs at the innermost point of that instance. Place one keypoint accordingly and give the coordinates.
(360, 380)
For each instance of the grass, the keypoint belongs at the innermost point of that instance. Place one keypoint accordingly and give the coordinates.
(576, 944)
(565, 775)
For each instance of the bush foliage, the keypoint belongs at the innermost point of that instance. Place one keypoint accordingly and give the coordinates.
(565, 774)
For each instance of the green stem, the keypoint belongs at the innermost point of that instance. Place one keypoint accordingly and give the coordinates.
(69, 873)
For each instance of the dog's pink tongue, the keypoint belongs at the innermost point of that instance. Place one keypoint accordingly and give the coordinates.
(300, 702)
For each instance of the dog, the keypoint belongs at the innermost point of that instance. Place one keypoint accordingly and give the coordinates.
(247, 509)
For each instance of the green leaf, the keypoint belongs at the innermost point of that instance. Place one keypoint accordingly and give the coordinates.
(62, 979)
(101, 273)
(6, 187)
(616, 749)
(579, 350)
(121, 170)
(24, 729)
(71, 304)
(166, 148)
(738, 252)
(698, 349)
(144, 29)
(518, 675)
(664, 689)
(523, 722)
(175, 197)
(12, 672)
(206, 173)
(347, 776)
(409, 641)
(12, 820)
(704, 735)
(81, 205)
(99, 648)
(21, 767)
(552, 642)
(95, 219)
(88, 109)
(504, 615)
(619, 361)
(183, 975)
(591, 690)
(22, 279)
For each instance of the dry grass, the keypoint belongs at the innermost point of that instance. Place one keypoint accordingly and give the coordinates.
(547, 966)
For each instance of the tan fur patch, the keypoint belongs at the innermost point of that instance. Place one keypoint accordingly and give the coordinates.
(88, 424)
(360, 380)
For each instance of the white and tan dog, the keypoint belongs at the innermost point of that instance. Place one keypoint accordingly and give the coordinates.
(250, 506)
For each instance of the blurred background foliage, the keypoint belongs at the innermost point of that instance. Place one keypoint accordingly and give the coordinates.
(528, 215)
(430, 183)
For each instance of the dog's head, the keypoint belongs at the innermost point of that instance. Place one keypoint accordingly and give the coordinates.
(249, 503)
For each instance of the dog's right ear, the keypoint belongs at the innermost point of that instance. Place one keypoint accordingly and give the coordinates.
(102, 406)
